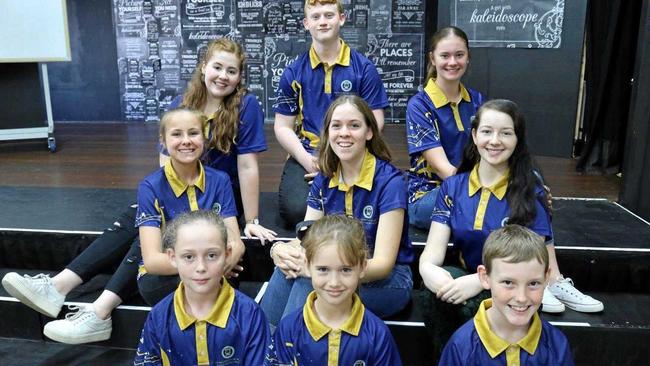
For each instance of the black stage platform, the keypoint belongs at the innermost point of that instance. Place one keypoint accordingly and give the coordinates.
(602, 246)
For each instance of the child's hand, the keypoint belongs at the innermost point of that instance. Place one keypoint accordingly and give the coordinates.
(260, 232)
(289, 257)
(460, 289)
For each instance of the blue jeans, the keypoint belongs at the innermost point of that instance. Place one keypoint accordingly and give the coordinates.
(384, 297)
(420, 211)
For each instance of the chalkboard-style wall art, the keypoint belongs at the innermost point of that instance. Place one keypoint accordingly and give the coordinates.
(160, 41)
(510, 23)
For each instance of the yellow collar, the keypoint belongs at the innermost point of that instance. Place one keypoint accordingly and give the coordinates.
(495, 345)
(343, 58)
(178, 186)
(318, 330)
(438, 97)
(366, 176)
(498, 189)
(218, 315)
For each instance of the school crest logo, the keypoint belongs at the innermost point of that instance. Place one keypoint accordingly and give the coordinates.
(368, 211)
(504, 222)
(359, 363)
(216, 208)
(346, 85)
(227, 352)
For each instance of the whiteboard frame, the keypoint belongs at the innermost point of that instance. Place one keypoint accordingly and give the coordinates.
(62, 26)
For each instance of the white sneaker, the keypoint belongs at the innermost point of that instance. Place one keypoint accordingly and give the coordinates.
(82, 326)
(37, 292)
(550, 304)
(564, 290)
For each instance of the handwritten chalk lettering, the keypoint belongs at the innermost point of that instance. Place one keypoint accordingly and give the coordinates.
(396, 52)
(249, 4)
(494, 16)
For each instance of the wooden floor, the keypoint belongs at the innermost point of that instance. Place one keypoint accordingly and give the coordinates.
(119, 155)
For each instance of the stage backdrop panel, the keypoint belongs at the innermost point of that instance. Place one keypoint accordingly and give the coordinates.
(544, 82)
(159, 43)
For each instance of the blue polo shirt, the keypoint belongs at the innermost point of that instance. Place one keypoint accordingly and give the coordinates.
(308, 86)
(163, 196)
(235, 332)
(473, 212)
(302, 339)
(250, 137)
(380, 188)
(475, 343)
(433, 121)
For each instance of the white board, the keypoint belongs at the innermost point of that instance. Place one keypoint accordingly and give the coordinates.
(34, 31)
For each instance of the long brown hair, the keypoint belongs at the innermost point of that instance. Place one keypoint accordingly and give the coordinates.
(226, 120)
(433, 43)
(327, 159)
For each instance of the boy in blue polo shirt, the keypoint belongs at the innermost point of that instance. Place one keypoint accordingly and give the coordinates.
(307, 87)
(507, 330)
(205, 321)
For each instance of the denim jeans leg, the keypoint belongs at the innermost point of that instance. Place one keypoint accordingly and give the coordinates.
(276, 296)
(390, 295)
(420, 211)
(292, 193)
(299, 292)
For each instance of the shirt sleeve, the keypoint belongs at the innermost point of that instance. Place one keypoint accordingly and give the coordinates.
(286, 101)
(444, 203)
(421, 132)
(542, 223)
(315, 196)
(394, 193)
(386, 352)
(225, 196)
(148, 352)
(147, 214)
(259, 338)
(250, 134)
(450, 355)
(372, 88)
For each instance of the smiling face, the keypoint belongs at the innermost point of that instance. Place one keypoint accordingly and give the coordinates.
(450, 57)
(495, 138)
(221, 74)
(517, 291)
(323, 21)
(200, 256)
(183, 137)
(333, 279)
(348, 133)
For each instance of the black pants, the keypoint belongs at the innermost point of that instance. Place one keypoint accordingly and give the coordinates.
(113, 249)
(292, 193)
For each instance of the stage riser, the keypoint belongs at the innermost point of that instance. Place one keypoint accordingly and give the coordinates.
(592, 270)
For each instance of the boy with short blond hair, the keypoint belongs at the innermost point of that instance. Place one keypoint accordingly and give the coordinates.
(307, 87)
(507, 330)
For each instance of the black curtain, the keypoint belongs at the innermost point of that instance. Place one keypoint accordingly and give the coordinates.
(611, 35)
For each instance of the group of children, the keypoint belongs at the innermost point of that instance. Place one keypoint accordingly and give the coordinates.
(472, 182)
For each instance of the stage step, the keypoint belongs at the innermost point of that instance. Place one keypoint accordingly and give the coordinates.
(618, 334)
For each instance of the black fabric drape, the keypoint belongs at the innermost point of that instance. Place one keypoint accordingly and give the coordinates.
(611, 36)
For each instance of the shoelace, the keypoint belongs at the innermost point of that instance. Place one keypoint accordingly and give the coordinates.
(77, 313)
(40, 280)
(568, 286)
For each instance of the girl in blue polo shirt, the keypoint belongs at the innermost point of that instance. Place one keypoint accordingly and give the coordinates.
(181, 185)
(496, 184)
(235, 127)
(357, 180)
(438, 122)
(334, 327)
